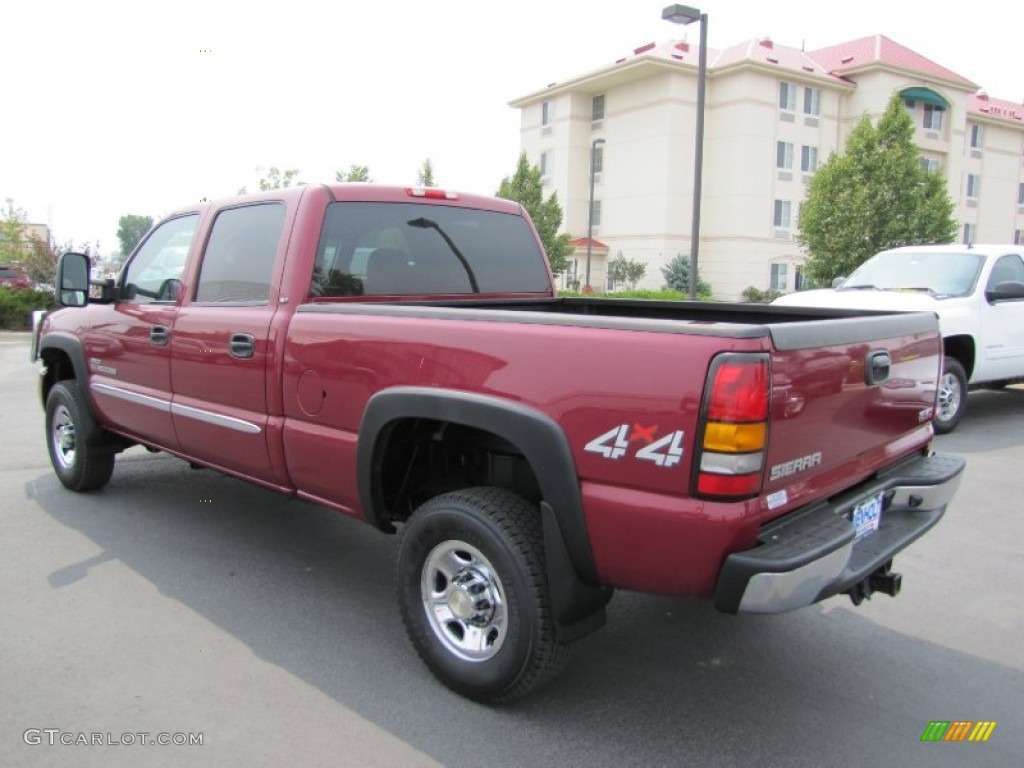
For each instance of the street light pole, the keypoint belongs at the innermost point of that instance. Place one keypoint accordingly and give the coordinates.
(587, 289)
(684, 14)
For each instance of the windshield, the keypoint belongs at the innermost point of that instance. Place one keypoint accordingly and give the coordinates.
(940, 274)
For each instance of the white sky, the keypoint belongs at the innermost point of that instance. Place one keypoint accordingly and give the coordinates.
(111, 108)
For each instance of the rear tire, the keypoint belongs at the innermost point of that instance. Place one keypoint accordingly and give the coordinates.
(474, 596)
(952, 398)
(72, 439)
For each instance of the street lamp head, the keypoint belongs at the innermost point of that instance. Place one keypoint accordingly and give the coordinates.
(680, 14)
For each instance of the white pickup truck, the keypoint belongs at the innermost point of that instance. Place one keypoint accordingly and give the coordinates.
(977, 291)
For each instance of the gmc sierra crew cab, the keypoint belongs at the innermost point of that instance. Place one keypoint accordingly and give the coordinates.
(400, 355)
(976, 290)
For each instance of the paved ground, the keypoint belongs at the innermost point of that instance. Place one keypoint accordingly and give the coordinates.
(183, 601)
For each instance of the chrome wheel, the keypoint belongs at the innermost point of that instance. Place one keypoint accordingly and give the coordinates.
(950, 396)
(63, 437)
(464, 601)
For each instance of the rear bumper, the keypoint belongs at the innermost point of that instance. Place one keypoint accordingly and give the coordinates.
(811, 553)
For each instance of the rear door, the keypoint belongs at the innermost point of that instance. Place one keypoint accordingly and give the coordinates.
(220, 351)
(128, 346)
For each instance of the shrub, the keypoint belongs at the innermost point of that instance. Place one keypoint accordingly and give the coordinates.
(665, 294)
(757, 296)
(677, 277)
(16, 307)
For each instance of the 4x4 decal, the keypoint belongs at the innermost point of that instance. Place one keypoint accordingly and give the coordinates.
(665, 451)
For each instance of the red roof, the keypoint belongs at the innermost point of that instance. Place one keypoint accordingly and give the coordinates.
(830, 63)
(981, 103)
(581, 242)
(879, 49)
(770, 53)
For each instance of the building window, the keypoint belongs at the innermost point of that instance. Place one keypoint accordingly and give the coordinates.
(800, 279)
(812, 101)
(973, 186)
(970, 233)
(933, 117)
(930, 164)
(545, 164)
(546, 113)
(1018, 237)
(909, 104)
(787, 96)
(598, 159)
(784, 155)
(808, 159)
(596, 214)
(783, 209)
(977, 136)
(780, 275)
(597, 108)
(1020, 193)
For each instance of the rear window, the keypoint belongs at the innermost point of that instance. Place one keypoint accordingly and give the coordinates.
(381, 249)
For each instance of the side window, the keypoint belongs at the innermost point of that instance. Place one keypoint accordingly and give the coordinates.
(239, 259)
(155, 272)
(1009, 269)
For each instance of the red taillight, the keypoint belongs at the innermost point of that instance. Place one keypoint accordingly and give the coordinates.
(735, 435)
(729, 485)
(431, 193)
(739, 392)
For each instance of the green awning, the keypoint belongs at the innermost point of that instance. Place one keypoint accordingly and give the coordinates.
(924, 95)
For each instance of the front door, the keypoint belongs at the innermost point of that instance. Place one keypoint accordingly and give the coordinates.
(128, 348)
(1003, 323)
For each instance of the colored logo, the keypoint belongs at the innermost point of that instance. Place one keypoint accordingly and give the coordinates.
(958, 730)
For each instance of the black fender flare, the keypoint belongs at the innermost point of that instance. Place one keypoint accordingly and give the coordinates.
(570, 561)
(71, 347)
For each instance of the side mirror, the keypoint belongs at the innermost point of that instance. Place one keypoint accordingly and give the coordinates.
(72, 283)
(1010, 290)
(838, 281)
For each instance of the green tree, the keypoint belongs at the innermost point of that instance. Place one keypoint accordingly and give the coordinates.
(626, 271)
(873, 196)
(40, 262)
(526, 188)
(276, 179)
(677, 277)
(354, 173)
(425, 176)
(14, 242)
(131, 229)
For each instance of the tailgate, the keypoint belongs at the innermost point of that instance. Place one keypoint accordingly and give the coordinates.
(849, 396)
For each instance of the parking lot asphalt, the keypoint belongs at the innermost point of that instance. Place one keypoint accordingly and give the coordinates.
(178, 601)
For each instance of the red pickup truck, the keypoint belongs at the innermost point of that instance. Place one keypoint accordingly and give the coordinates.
(400, 355)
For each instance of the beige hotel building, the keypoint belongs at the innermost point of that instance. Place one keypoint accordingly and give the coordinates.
(773, 115)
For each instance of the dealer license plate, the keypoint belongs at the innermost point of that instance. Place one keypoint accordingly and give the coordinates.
(867, 515)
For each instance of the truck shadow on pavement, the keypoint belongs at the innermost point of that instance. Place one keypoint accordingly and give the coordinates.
(667, 682)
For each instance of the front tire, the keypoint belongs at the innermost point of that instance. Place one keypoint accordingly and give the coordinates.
(952, 399)
(473, 594)
(71, 438)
